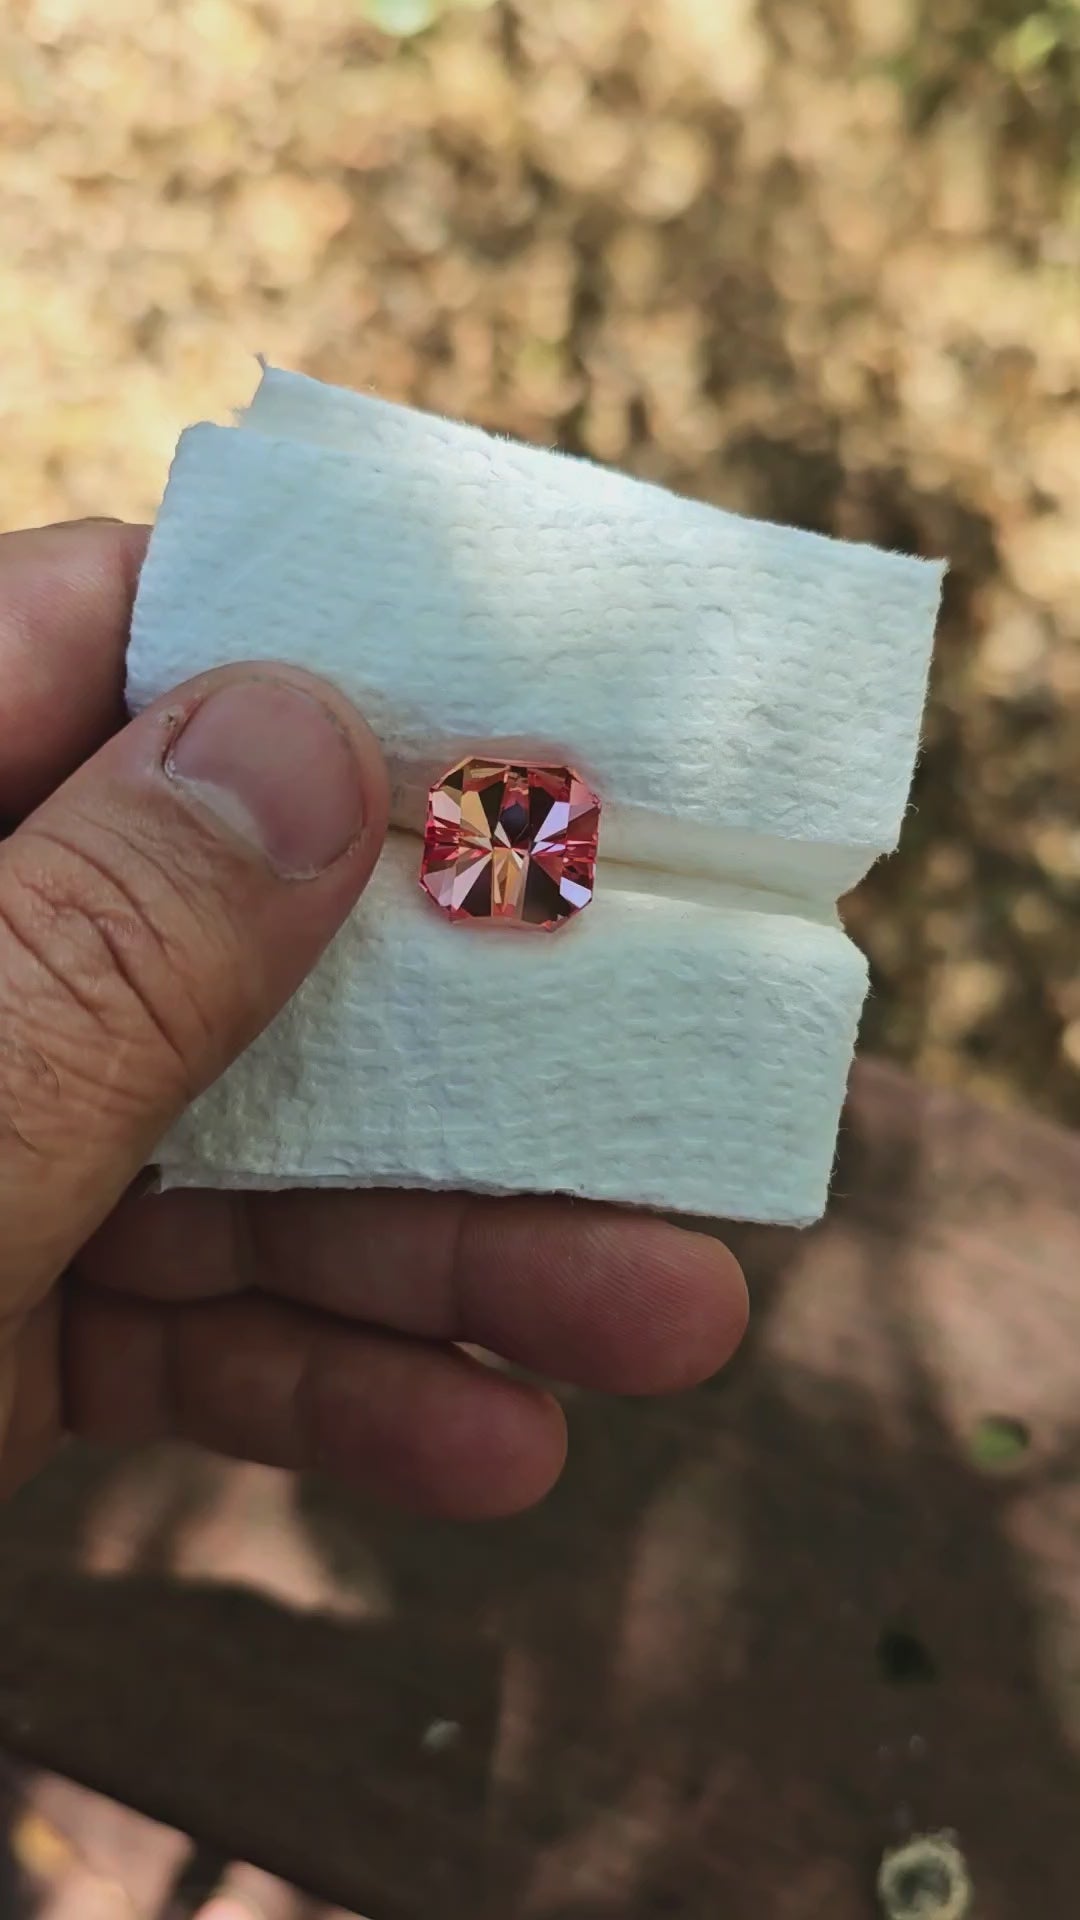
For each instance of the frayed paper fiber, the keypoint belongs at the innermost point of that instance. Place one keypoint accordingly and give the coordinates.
(745, 698)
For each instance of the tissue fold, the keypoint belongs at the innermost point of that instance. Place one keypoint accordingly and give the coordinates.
(745, 698)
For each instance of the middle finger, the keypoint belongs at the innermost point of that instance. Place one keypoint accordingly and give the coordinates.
(575, 1291)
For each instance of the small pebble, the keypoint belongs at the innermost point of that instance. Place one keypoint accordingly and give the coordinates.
(441, 1735)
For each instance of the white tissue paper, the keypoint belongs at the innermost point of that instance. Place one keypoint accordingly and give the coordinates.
(745, 699)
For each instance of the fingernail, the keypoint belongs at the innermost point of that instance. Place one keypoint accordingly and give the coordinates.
(274, 766)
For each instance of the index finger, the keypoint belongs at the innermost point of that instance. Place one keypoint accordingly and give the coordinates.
(66, 594)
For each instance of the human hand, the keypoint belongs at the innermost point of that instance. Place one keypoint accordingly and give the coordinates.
(156, 910)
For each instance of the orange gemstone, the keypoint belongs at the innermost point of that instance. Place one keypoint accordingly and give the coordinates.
(510, 842)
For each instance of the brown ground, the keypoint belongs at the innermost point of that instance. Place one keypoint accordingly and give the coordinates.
(758, 1637)
(816, 259)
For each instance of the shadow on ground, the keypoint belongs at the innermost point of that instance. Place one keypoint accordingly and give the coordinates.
(758, 1636)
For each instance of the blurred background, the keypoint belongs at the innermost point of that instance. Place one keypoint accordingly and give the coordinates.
(817, 260)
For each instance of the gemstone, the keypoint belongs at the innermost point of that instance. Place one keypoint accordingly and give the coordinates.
(508, 841)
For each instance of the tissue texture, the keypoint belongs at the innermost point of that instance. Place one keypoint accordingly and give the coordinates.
(664, 1051)
(745, 700)
(705, 670)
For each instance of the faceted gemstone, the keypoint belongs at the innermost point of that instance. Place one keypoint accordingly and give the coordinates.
(506, 841)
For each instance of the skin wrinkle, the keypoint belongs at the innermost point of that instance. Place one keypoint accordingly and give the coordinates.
(72, 1087)
(38, 954)
(186, 881)
(85, 922)
(82, 1087)
(16, 1059)
(110, 875)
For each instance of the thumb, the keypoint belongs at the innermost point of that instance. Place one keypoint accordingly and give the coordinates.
(155, 914)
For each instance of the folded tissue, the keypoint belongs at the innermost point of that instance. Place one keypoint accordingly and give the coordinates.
(744, 698)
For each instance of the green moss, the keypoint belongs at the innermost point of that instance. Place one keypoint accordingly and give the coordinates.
(999, 1441)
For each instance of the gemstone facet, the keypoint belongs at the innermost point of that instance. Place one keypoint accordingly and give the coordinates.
(509, 841)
